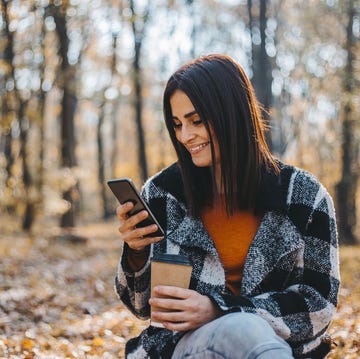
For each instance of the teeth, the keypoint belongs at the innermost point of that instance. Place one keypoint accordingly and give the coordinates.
(193, 149)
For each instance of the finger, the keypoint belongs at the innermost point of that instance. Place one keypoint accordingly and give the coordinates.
(141, 235)
(129, 223)
(137, 218)
(141, 243)
(173, 317)
(123, 209)
(172, 291)
(170, 304)
(178, 327)
(145, 231)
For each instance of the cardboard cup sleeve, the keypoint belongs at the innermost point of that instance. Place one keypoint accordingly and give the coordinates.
(169, 269)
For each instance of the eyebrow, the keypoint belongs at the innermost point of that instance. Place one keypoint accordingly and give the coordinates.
(187, 115)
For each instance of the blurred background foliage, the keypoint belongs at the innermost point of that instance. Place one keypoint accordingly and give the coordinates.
(81, 94)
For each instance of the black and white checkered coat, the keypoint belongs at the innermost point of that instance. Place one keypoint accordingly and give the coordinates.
(291, 274)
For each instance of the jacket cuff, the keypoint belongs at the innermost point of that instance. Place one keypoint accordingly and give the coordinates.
(125, 263)
(218, 299)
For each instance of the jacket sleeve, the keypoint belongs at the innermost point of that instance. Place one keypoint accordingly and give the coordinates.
(299, 296)
(133, 287)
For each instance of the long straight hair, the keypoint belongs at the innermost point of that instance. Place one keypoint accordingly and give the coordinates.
(224, 98)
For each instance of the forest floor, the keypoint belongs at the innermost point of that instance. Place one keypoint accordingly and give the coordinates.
(57, 298)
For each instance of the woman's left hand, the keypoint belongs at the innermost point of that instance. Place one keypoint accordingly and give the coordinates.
(185, 310)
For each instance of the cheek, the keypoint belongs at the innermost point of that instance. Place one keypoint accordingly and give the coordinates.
(179, 138)
(205, 134)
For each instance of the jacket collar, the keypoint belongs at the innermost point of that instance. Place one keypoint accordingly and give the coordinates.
(272, 194)
(189, 232)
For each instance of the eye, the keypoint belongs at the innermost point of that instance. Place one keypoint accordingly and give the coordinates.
(177, 125)
(198, 122)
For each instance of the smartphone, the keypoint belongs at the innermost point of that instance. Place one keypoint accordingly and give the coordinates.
(125, 191)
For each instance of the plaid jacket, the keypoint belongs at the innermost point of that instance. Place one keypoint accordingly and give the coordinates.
(291, 274)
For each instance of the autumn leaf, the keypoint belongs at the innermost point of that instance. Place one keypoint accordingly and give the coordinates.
(57, 299)
(98, 342)
(27, 344)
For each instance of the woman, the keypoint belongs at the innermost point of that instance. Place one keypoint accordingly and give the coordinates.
(261, 235)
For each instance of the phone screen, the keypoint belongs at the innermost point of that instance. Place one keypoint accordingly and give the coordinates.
(125, 191)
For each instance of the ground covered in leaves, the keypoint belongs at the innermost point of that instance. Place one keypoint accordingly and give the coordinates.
(57, 298)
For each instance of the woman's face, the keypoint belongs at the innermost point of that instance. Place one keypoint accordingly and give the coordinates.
(191, 132)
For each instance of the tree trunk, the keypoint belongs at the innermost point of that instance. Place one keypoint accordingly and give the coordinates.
(101, 165)
(68, 108)
(346, 188)
(261, 64)
(8, 139)
(42, 99)
(68, 153)
(9, 156)
(29, 213)
(19, 107)
(107, 211)
(138, 33)
(190, 4)
(114, 150)
(138, 113)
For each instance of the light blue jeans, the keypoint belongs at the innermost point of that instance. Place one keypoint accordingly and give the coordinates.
(233, 336)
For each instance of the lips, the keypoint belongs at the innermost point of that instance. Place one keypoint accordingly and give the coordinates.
(198, 148)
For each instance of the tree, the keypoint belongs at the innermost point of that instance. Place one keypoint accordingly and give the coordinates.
(67, 84)
(261, 61)
(107, 211)
(41, 108)
(18, 105)
(7, 110)
(347, 186)
(298, 66)
(138, 23)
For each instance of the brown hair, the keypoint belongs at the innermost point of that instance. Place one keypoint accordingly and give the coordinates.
(224, 98)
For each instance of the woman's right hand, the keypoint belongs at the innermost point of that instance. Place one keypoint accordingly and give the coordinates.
(136, 238)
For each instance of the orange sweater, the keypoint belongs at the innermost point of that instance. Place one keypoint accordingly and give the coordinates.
(232, 237)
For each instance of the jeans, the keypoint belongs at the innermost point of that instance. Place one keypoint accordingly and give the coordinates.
(233, 336)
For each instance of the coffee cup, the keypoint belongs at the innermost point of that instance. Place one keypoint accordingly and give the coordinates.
(169, 269)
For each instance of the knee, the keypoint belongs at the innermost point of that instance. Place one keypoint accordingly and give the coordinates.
(244, 327)
(235, 335)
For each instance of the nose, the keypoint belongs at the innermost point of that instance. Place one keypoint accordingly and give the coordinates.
(186, 134)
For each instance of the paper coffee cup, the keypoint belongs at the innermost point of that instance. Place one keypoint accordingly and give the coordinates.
(169, 269)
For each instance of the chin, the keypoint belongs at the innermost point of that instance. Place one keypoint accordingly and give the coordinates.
(202, 163)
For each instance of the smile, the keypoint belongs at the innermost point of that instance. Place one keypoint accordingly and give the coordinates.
(198, 148)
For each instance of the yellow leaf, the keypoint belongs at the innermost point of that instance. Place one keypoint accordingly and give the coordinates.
(98, 342)
(27, 344)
